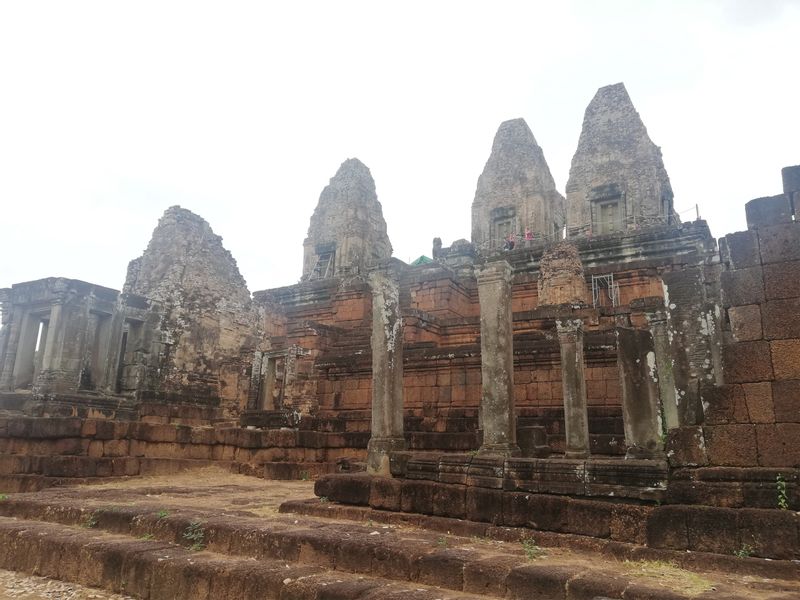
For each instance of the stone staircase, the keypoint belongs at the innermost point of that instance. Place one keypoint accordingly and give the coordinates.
(131, 541)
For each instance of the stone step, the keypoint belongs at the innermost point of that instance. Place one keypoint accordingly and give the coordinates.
(335, 552)
(152, 569)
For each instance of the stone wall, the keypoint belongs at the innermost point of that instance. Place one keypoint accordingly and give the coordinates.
(754, 418)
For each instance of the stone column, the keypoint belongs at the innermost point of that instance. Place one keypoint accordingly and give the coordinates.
(659, 329)
(497, 361)
(576, 414)
(387, 371)
(22, 375)
(53, 334)
(641, 411)
(10, 331)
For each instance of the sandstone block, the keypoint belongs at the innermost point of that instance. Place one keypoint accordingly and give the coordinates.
(627, 523)
(771, 533)
(686, 446)
(385, 493)
(589, 517)
(745, 362)
(758, 397)
(450, 501)
(786, 400)
(743, 286)
(786, 358)
(538, 581)
(743, 249)
(484, 505)
(782, 280)
(418, 496)
(667, 528)
(778, 445)
(488, 575)
(779, 243)
(781, 318)
(712, 530)
(745, 322)
(769, 210)
(731, 445)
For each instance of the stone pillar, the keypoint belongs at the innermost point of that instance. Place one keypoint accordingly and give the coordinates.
(659, 329)
(22, 375)
(387, 372)
(53, 334)
(497, 361)
(11, 329)
(641, 410)
(576, 414)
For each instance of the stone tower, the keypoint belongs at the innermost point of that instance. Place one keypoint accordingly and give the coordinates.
(185, 322)
(515, 191)
(617, 180)
(347, 230)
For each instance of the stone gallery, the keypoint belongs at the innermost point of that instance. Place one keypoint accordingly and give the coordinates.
(587, 365)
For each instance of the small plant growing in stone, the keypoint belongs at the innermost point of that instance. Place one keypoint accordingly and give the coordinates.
(3, 497)
(195, 536)
(147, 536)
(90, 520)
(324, 499)
(162, 514)
(442, 542)
(744, 552)
(532, 551)
(783, 495)
(305, 475)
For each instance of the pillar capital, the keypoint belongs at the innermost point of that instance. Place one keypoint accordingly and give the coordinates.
(569, 326)
(492, 272)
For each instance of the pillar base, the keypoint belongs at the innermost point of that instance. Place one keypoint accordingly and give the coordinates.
(499, 450)
(576, 454)
(378, 451)
(639, 453)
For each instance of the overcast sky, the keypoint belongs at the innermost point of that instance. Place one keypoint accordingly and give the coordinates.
(111, 112)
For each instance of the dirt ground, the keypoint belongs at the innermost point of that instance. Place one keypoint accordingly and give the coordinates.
(17, 586)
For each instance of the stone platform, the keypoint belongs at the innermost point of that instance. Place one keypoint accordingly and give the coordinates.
(209, 534)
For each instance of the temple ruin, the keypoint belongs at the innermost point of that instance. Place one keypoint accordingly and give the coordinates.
(617, 373)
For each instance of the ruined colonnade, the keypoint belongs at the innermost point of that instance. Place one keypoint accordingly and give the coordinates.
(643, 360)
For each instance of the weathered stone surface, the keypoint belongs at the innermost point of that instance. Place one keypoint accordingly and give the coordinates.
(746, 362)
(573, 381)
(197, 318)
(387, 371)
(786, 400)
(561, 279)
(347, 230)
(745, 322)
(782, 280)
(758, 397)
(786, 358)
(515, 191)
(731, 445)
(497, 360)
(640, 397)
(768, 211)
(617, 180)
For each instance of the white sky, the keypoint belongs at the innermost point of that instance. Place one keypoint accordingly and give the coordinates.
(110, 112)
